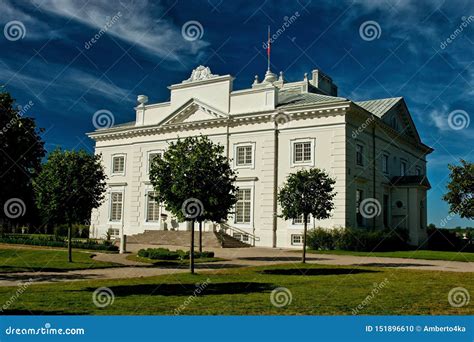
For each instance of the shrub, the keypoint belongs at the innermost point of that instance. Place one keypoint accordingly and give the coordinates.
(166, 254)
(78, 230)
(446, 240)
(55, 241)
(357, 239)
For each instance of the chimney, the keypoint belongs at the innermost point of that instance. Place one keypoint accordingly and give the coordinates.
(323, 82)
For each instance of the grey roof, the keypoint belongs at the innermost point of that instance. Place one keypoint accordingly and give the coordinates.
(379, 107)
(289, 98)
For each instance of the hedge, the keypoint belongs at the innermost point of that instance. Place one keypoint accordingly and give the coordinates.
(358, 239)
(55, 241)
(166, 254)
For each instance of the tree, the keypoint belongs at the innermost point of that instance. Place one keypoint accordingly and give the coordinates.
(70, 185)
(21, 152)
(461, 189)
(195, 182)
(307, 192)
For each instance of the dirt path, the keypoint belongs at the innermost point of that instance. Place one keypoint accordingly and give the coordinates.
(235, 258)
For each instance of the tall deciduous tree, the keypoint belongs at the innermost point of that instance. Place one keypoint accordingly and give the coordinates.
(195, 182)
(21, 151)
(305, 193)
(69, 186)
(461, 189)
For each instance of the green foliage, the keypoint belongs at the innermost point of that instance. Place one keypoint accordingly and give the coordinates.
(194, 180)
(70, 185)
(307, 192)
(166, 254)
(461, 189)
(358, 239)
(447, 240)
(22, 150)
(56, 241)
(78, 230)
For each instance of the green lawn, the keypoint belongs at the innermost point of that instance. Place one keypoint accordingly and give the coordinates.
(418, 254)
(155, 262)
(46, 260)
(315, 290)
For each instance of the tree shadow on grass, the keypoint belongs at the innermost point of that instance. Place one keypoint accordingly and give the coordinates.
(315, 271)
(283, 258)
(187, 289)
(391, 264)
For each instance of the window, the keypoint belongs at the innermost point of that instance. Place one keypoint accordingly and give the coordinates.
(298, 220)
(241, 237)
(152, 207)
(116, 201)
(151, 158)
(118, 165)
(418, 171)
(302, 152)
(296, 239)
(244, 155)
(359, 154)
(359, 217)
(113, 231)
(385, 163)
(243, 206)
(403, 168)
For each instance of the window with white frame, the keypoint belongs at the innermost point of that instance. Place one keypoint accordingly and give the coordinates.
(152, 156)
(243, 206)
(385, 163)
(118, 164)
(359, 155)
(152, 207)
(403, 168)
(298, 220)
(244, 155)
(241, 237)
(296, 239)
(116, 203)
(114, 231)
(302, 152)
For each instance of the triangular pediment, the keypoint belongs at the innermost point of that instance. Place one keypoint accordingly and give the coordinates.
(193, 111)
(399, 118)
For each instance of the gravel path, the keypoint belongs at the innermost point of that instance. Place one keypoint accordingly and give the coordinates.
(235, 258)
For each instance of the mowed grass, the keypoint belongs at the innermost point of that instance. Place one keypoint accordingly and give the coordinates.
(314, 290)
(47, 260)
(177, 263)
(417, 254)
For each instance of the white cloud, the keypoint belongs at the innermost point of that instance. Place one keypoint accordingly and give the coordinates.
(143, 24)
(439, 118)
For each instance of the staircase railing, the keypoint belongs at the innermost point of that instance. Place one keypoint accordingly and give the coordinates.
(230, 230)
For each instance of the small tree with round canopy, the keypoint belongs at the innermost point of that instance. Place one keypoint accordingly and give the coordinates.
(305, 193)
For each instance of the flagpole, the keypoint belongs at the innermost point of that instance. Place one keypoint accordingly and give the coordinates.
(268, 49)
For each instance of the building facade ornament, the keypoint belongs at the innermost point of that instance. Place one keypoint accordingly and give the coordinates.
(200, 73)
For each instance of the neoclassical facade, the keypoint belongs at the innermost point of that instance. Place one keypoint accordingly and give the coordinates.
(271, 129)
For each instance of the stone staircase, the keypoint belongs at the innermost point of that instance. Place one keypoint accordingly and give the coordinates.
(181, 238)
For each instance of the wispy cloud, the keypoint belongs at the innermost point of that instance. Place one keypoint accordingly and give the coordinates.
(143, 24)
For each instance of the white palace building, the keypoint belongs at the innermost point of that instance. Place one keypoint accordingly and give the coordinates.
(372, 149)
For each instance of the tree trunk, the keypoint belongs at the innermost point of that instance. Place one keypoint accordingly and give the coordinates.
(303, 259)
(200, 236)
(69, 244)
(191, 249)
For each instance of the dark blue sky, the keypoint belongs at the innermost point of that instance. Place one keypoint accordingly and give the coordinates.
(143, 51)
